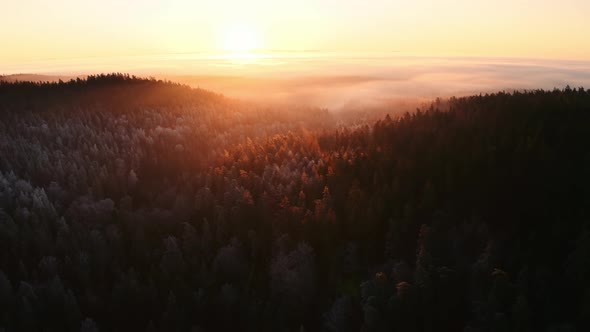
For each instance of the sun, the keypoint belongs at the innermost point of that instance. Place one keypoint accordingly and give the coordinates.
(241, 38)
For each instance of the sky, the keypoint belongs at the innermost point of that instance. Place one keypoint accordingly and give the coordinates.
(40, 30)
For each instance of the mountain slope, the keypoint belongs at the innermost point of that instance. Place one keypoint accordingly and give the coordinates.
(142, 204)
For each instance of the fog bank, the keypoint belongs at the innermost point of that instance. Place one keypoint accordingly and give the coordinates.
(335, 81)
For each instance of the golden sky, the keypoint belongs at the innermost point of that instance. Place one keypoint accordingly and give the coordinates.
(40, 30)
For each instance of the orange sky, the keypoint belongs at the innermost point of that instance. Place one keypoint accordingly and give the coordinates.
(34, 31)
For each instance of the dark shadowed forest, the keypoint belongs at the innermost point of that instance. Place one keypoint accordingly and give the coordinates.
(131, 204)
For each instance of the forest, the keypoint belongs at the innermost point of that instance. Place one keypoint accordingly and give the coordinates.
(134, 204)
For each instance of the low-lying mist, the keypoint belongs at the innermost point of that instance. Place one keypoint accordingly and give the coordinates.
(336, 81)
(350, 83)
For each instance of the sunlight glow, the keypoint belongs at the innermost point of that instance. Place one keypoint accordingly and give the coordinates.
(241, 39)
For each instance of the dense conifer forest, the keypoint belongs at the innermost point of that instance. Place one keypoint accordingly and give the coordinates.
(131, 204)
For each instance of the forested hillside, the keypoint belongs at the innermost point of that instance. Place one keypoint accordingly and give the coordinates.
(131, 204)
